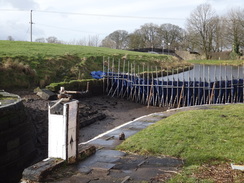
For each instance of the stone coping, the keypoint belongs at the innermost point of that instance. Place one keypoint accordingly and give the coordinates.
(39, 171)
(8, 102)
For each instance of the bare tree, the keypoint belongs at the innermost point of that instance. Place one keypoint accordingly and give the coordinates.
(219, 39)
(53, 39)
(172, 34)
(40, 40)
(242, 17)
(150, 35)
(189, 41)
(109, 43)
(235, 29)
(10, 38)
(119, 38)
(93, 41)
(135, 40)
(202, 23)
(82, 42)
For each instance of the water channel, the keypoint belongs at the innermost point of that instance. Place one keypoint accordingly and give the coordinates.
(208, 73)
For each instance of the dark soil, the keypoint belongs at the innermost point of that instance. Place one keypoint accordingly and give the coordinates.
(96, 115)
(117, 112)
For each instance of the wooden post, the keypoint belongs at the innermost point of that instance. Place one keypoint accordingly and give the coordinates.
(225, 85)
(172, 90)
(123, 80)
(153, 87)
(203, 87)
(167, 89)
(148, 78)
(118, 79)
(139, 87)
(232, 86)
(181, 94)
(103, 76)
(108, 77)
(157, 89)
(212, 94)
(150, 95)
(242, 86)
(177, 87)
(188, 92)
(238, 86)
(143, 83)
(162, 88)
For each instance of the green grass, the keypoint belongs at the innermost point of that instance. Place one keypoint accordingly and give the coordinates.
(28, 64)
(218, 62)
(38, 50)
(198, 137)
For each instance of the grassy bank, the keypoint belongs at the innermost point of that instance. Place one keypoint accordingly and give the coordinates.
(25, 64)
(201, 138)
(218, 62)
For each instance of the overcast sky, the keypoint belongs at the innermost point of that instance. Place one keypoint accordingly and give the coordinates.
(79, 19)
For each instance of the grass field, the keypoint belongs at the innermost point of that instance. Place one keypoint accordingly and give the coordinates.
(200, 137)
(27, 49)
(26, 64)
(218, 62)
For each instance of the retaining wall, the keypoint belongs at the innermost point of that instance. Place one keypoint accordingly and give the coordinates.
(17, 149)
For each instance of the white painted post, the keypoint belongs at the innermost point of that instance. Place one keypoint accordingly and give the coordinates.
(63, 130)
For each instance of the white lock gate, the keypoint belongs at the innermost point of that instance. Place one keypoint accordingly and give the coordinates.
(63, 130)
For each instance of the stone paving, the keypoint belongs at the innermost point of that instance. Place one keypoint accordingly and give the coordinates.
(109, 165)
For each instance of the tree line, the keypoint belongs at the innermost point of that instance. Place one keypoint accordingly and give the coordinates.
(90, 41)
(205, 32)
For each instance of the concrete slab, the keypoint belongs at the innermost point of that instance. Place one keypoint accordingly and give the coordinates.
(165, 162)
(137, 125)
(111, 153)
(145, 173)
(102, 166)
(162, 115)
(84, 170)
(152, 119)
(102, 142)
(152, 169)
(119, 175)
(105, 156)
(77, 179)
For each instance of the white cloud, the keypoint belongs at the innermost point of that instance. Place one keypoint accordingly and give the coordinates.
(69, 26)
(20, 5)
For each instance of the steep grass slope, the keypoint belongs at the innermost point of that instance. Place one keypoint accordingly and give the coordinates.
(26, 64)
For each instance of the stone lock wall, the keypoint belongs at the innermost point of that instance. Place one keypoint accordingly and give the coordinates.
(17, 136)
